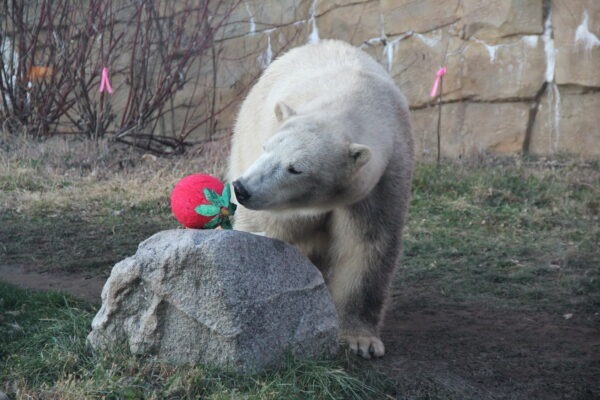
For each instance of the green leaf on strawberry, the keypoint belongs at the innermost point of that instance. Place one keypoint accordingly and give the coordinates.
(212, 197)
(213, 223)
(208, 210)
(226, 196)
(219, 206)
(226, 224)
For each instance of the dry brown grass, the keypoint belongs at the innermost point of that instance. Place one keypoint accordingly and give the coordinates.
(67, 203)
(62, 171)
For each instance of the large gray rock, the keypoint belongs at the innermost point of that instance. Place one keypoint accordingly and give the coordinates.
(222, 298)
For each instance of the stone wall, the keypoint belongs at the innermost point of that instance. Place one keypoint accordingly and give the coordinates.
(523, 75)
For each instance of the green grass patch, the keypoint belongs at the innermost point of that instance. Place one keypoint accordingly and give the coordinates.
(43, 353)
(509, 236)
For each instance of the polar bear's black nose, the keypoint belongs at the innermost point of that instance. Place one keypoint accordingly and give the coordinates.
(240, 191)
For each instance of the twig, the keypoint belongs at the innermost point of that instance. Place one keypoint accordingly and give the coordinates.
(439, 122)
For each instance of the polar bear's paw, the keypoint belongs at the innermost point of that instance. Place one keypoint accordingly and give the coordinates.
(366, 346)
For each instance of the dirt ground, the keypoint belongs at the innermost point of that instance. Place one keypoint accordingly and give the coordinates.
(454, 351)
(477, 353)
(85, 286)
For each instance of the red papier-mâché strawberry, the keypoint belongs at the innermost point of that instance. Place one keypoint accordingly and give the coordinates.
(201, 201)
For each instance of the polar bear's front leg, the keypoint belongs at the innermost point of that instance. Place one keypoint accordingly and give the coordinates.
(363, 260)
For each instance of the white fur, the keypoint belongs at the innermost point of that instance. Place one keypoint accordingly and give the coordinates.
(327, 111)
(334, 81)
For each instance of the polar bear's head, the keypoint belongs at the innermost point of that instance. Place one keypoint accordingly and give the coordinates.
(309, 163)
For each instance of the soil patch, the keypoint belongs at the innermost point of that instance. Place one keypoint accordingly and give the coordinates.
(85, 286)
(474, 352)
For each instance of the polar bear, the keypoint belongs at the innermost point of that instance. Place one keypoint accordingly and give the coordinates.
(322, 158)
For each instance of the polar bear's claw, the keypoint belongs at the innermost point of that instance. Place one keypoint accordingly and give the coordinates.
(365, 346)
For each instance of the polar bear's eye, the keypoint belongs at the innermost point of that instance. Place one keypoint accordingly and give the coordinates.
(293, 170)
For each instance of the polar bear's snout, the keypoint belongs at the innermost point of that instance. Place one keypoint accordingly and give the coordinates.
(241, 193)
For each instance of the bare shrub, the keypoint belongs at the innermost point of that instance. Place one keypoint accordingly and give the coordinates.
(53, 52)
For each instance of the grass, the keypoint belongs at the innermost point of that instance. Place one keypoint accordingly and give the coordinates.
(42, 345)
(76, 205)
(512, 234)
(507, 235)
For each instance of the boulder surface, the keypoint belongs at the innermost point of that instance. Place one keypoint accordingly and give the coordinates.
(223, 298)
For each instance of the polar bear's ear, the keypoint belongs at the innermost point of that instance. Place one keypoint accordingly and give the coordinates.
(283, 111)
(359, 154)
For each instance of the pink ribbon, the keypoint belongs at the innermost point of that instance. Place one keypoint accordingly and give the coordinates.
(105, 83)
(438, 76)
